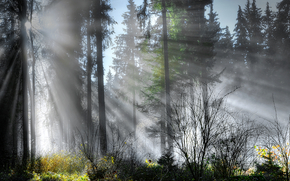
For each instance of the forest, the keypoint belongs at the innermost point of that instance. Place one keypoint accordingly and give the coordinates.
(182, 99)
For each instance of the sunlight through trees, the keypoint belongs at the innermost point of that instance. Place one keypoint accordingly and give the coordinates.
(183, 97)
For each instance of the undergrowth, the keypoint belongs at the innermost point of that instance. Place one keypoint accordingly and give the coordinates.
(65, 166)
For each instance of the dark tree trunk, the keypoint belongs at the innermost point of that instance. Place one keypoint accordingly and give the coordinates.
(15, 124)
(100, 69)
(23, 9)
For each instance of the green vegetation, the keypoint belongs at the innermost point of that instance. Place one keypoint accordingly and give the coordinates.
(75, 167)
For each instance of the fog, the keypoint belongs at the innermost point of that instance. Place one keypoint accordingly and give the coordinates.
(218, 76)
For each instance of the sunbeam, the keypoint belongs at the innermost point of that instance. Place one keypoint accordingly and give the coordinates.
(144, 90)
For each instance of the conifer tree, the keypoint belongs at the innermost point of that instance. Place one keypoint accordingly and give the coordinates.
(102, 32)
(241, 43)
(127, 57)
(269, 39)
(254, 22)
(282, 34)
(224, 50)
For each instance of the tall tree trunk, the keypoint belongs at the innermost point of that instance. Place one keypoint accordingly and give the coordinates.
(100, 69)
(167, 82)
(162, 126)
(14, 117)
(14, 124)
(204, 83)
(32, 125)
(134, 96)
(23, 10)
(89, 87)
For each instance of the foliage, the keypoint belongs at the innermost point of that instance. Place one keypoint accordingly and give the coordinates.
(62, 162)
(167, 161)
(270, 168)
(163, 169)
(104, 169)
(15, 175)
(49, 176)
(247, 178)
(47, 168)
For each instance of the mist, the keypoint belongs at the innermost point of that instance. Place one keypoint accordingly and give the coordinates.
(173, 78)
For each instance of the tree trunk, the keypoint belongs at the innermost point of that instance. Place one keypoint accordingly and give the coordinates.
(14, 124)
(89, 87)
(162, 126)
(100, 69)
(23, 6)
(32, 125)
(134, 96)
(167, 81)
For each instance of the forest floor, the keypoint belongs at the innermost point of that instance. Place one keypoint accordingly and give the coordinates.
(75, 167)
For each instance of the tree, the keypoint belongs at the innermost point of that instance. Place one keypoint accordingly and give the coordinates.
(278, 138)
(167, 82)
(241, 37)
(189, 46)
(282, 33)
(254, 27)
(127, 63)
(10, 83)
(23, 41)
(233, 149)
(100, 70)
(158, 93)
(32, 93)
(102, 20)
(166, 68)
(224, 51)
(197, 130)
(240, 45)
(89, 72)
(269, 39)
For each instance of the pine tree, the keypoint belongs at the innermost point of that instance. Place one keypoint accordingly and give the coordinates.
(282, 34)
(224, 48)
(254, 22)
(269, 40)
(157, 95)
(241, 41)
(127, 57)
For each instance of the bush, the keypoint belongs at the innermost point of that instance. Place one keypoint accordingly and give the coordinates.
(104, 169)
(15, 175)
(247, 178)
(149, 171)
(49, 176)
(59, 163)
(269, 168)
